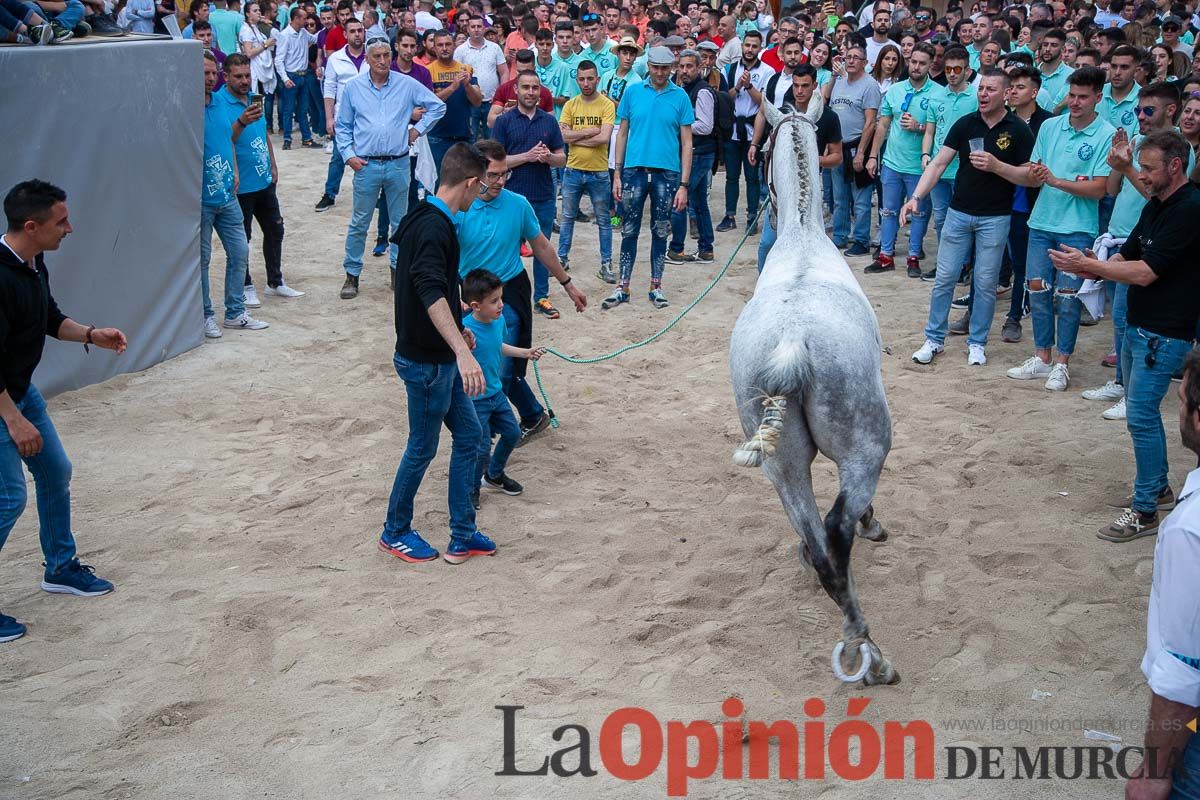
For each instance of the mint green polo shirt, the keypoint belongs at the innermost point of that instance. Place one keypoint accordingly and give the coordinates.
(606, 60)
(903, 151)
(555, 76)
(947, 111)
(1070, 155)
(1129, 203)
(1054, 85)
(1122, 114)
(571, 66)
(973, 57)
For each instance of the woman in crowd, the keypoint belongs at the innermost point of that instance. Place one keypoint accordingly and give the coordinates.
(888, 67)
(260, 49)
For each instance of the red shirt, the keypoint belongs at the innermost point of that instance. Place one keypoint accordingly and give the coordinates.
(335, 40)
(508, 91)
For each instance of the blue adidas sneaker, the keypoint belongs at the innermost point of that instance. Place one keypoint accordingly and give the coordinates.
(410, 547)
(75, 578)
(10, 629)
(478, 545)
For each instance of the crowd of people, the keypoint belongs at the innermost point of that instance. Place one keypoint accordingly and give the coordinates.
(1051, 147)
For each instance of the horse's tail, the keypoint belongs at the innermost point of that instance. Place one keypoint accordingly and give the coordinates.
(784, 379)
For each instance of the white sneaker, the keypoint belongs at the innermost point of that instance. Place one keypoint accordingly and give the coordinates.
(250, 297)
(927, 352)
(1059, 378)
(245, 322)
(975, 355)
(1109, 391)
(211, 331)
(283, 290)
(1116, 412)
(1032, 369)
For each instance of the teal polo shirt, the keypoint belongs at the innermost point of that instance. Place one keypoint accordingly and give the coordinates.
(655, 118)
(947, 111)
(1122, 114)
(973, 57)
(605, 60)
(490, 234)
(1054, 85)
(1070, 155)
(903, 151)
(1129, 203)
(252, 151)
(571, 66)
(555, 76)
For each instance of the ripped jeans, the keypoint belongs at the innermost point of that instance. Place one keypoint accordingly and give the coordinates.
(898, 186)
(636, 183)
(1047, 332)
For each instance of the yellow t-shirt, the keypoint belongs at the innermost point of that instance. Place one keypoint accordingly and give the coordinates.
(579, 114)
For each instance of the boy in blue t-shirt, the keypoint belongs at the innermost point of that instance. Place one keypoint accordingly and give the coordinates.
(483, 291)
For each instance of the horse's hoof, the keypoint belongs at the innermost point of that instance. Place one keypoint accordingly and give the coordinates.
(873, 533)
(887, 676)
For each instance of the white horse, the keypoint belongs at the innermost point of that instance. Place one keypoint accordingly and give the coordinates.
(805, 364)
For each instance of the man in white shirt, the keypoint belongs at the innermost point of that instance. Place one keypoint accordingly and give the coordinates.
(342, 65)
(491, 69)
(747, 80)
(881, 23)
(291, 62)
(425, 19)
(1171, 760)
(731, 51)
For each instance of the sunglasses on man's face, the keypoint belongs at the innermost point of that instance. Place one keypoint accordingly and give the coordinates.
(1146, 111)
(922, 18)
(953, 70)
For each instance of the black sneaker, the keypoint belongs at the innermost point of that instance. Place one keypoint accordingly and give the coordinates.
(857, 249)
(678, 258)
(287, 145)
(350, 287)
(475, 498)
(325, 203)
(881, 263)
(104, 25)
(1011, 332)
(703, 257)
(961, 326)
(727, 224)
(961, 303)
(531, 432)
(503, 483)
(582, 218)
(929, 275)
(913, 267)
(964, 277)
(61, 32)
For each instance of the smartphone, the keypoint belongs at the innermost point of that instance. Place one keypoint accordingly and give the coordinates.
(257, 100)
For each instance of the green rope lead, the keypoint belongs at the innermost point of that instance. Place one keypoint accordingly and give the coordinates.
(537, 373)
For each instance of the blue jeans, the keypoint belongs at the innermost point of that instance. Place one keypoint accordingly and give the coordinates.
(1018, 252)
(737, 161)
(636, 183)
(69, 17)
(541, 273)
(516, 387)
(333, 178)
(390, 177)
(51, 471)
(14, 14)
(698, 183)
(599, 188)
(313, 102)
(767, 240)
(849, 197)
(940, 196)
(1038, 268)
(1145, 388)
(228, 222)
(495, 416)
(962, 232)
(479, 126)
(896, 187)
(438, 145)
(1120, 310)
(292, 103)
(435, 396)
(1186, 782)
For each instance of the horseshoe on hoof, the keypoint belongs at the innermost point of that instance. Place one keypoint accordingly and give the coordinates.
(864, 652)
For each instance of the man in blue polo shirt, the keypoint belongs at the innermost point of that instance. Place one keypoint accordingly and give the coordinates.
(654, 157)
(1069, 164)
(534, 144)
(219, 209)
(490, 235)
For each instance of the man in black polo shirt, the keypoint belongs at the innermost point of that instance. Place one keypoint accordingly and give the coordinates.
(433, 358)
(1158, 261)
(983, 142)
(37, 222)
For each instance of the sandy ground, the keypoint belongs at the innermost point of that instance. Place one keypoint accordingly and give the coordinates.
(259, 645)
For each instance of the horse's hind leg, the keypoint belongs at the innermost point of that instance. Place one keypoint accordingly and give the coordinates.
(869, 528)
(852, 507)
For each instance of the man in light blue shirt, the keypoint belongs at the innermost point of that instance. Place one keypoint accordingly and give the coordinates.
(373, 136)
(653, 158)
(1054, 70)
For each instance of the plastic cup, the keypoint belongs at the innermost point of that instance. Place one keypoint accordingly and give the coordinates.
(976, 145)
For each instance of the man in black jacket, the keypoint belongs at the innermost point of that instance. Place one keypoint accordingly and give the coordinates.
(433, 358)
(37, 222)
